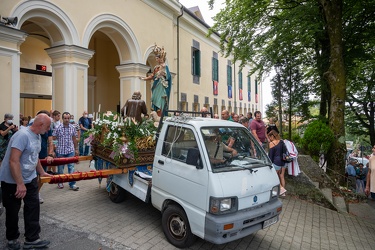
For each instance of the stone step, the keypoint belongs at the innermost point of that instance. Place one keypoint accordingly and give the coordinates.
(316, 184)
(327, 192)
(340, 205)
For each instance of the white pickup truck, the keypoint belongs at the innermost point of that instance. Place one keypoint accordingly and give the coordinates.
(200, 188)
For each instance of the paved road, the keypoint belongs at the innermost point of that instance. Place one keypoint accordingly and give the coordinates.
(87, 219)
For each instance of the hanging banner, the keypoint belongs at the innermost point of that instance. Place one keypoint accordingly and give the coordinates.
(240, 97)
(216, 88)
(248, 96)
(229, 91)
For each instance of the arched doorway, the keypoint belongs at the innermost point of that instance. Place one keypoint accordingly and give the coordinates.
(35, 72)
(116, 65)
(46, 26)
(104, 83)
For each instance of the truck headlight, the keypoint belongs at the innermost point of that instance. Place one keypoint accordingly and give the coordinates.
(275, 191)
(223, 205)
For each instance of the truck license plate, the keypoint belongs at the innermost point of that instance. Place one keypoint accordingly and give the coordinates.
(270, 222)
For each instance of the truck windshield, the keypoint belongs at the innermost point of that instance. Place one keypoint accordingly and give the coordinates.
(233, 149)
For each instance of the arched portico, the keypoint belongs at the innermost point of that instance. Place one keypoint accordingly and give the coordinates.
(50, 18)
(129, 56)
(51, 30)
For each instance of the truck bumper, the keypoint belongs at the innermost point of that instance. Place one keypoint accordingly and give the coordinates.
(242, 223)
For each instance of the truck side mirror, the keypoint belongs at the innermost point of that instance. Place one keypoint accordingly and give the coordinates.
(193, 158)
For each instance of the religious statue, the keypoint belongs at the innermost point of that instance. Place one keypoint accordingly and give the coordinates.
(161, 87)
(135, 107)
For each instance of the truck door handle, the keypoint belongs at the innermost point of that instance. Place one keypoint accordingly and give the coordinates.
(161, 162)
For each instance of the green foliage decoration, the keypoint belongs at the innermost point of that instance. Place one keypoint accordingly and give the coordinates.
(122, 136)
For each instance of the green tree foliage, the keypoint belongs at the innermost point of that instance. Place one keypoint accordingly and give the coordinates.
(318, 138)
(293, 91)
(319, 35)
(360, 112)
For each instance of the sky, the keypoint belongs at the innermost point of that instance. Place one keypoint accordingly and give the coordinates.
(207, 15)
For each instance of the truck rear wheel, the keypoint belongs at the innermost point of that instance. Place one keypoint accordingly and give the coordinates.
(116, 193)
(176, 227)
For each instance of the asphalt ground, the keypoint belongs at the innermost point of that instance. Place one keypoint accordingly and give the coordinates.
(87, 219)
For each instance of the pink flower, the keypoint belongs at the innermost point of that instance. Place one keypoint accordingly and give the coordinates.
(112, 155)
(89, 139)
(126, 152)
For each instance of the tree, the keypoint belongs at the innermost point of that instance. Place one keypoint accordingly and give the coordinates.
(332, 12)
(292, 89)
(359, 27)
(361, 102)
(260, 32)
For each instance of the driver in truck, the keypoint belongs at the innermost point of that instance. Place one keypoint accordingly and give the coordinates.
(219, 152)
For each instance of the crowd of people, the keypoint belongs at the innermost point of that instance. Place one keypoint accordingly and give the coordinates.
(53, 135)
(360, 177)
(48, 136)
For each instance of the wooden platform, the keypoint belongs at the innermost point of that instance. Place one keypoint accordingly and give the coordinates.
(144, 157)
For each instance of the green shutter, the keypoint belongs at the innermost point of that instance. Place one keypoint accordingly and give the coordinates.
(248, 83)
(198, 62)
(229, 75)
(215, 69)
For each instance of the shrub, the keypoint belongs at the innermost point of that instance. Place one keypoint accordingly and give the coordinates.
(317, 138)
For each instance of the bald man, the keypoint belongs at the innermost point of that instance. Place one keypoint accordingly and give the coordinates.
(225, 115)
(19, 182)
(205, 112)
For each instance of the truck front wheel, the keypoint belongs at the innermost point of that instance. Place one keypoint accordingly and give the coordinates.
(176, 227)
(116, 193)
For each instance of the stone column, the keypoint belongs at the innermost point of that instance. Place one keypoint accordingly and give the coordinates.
(91, 93)
(69, 78)
(10, 41)
(130, 82)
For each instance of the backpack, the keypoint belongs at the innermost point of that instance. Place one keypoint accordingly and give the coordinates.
(286, 156)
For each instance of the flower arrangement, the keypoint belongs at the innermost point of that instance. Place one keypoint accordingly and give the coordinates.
(125, 138)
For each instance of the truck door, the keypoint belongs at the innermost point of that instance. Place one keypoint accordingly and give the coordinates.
(179, 173)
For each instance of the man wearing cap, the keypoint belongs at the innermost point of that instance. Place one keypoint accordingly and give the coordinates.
(351, 172)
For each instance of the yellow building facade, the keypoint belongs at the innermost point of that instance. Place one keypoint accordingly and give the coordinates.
(78, 55)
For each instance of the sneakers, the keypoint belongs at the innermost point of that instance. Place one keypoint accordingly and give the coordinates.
(60, 185)
(36, 244)
(14, 245)
(40, 199)
(74, 188)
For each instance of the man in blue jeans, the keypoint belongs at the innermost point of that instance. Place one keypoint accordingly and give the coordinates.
(18, 176)
(84, 124)
(67, 146)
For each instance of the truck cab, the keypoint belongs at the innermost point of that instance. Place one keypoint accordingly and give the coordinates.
(213, 180)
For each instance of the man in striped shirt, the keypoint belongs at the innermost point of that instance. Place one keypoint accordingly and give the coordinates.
(67, 146)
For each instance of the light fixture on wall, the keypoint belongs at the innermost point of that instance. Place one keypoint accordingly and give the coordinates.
(9, 21)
